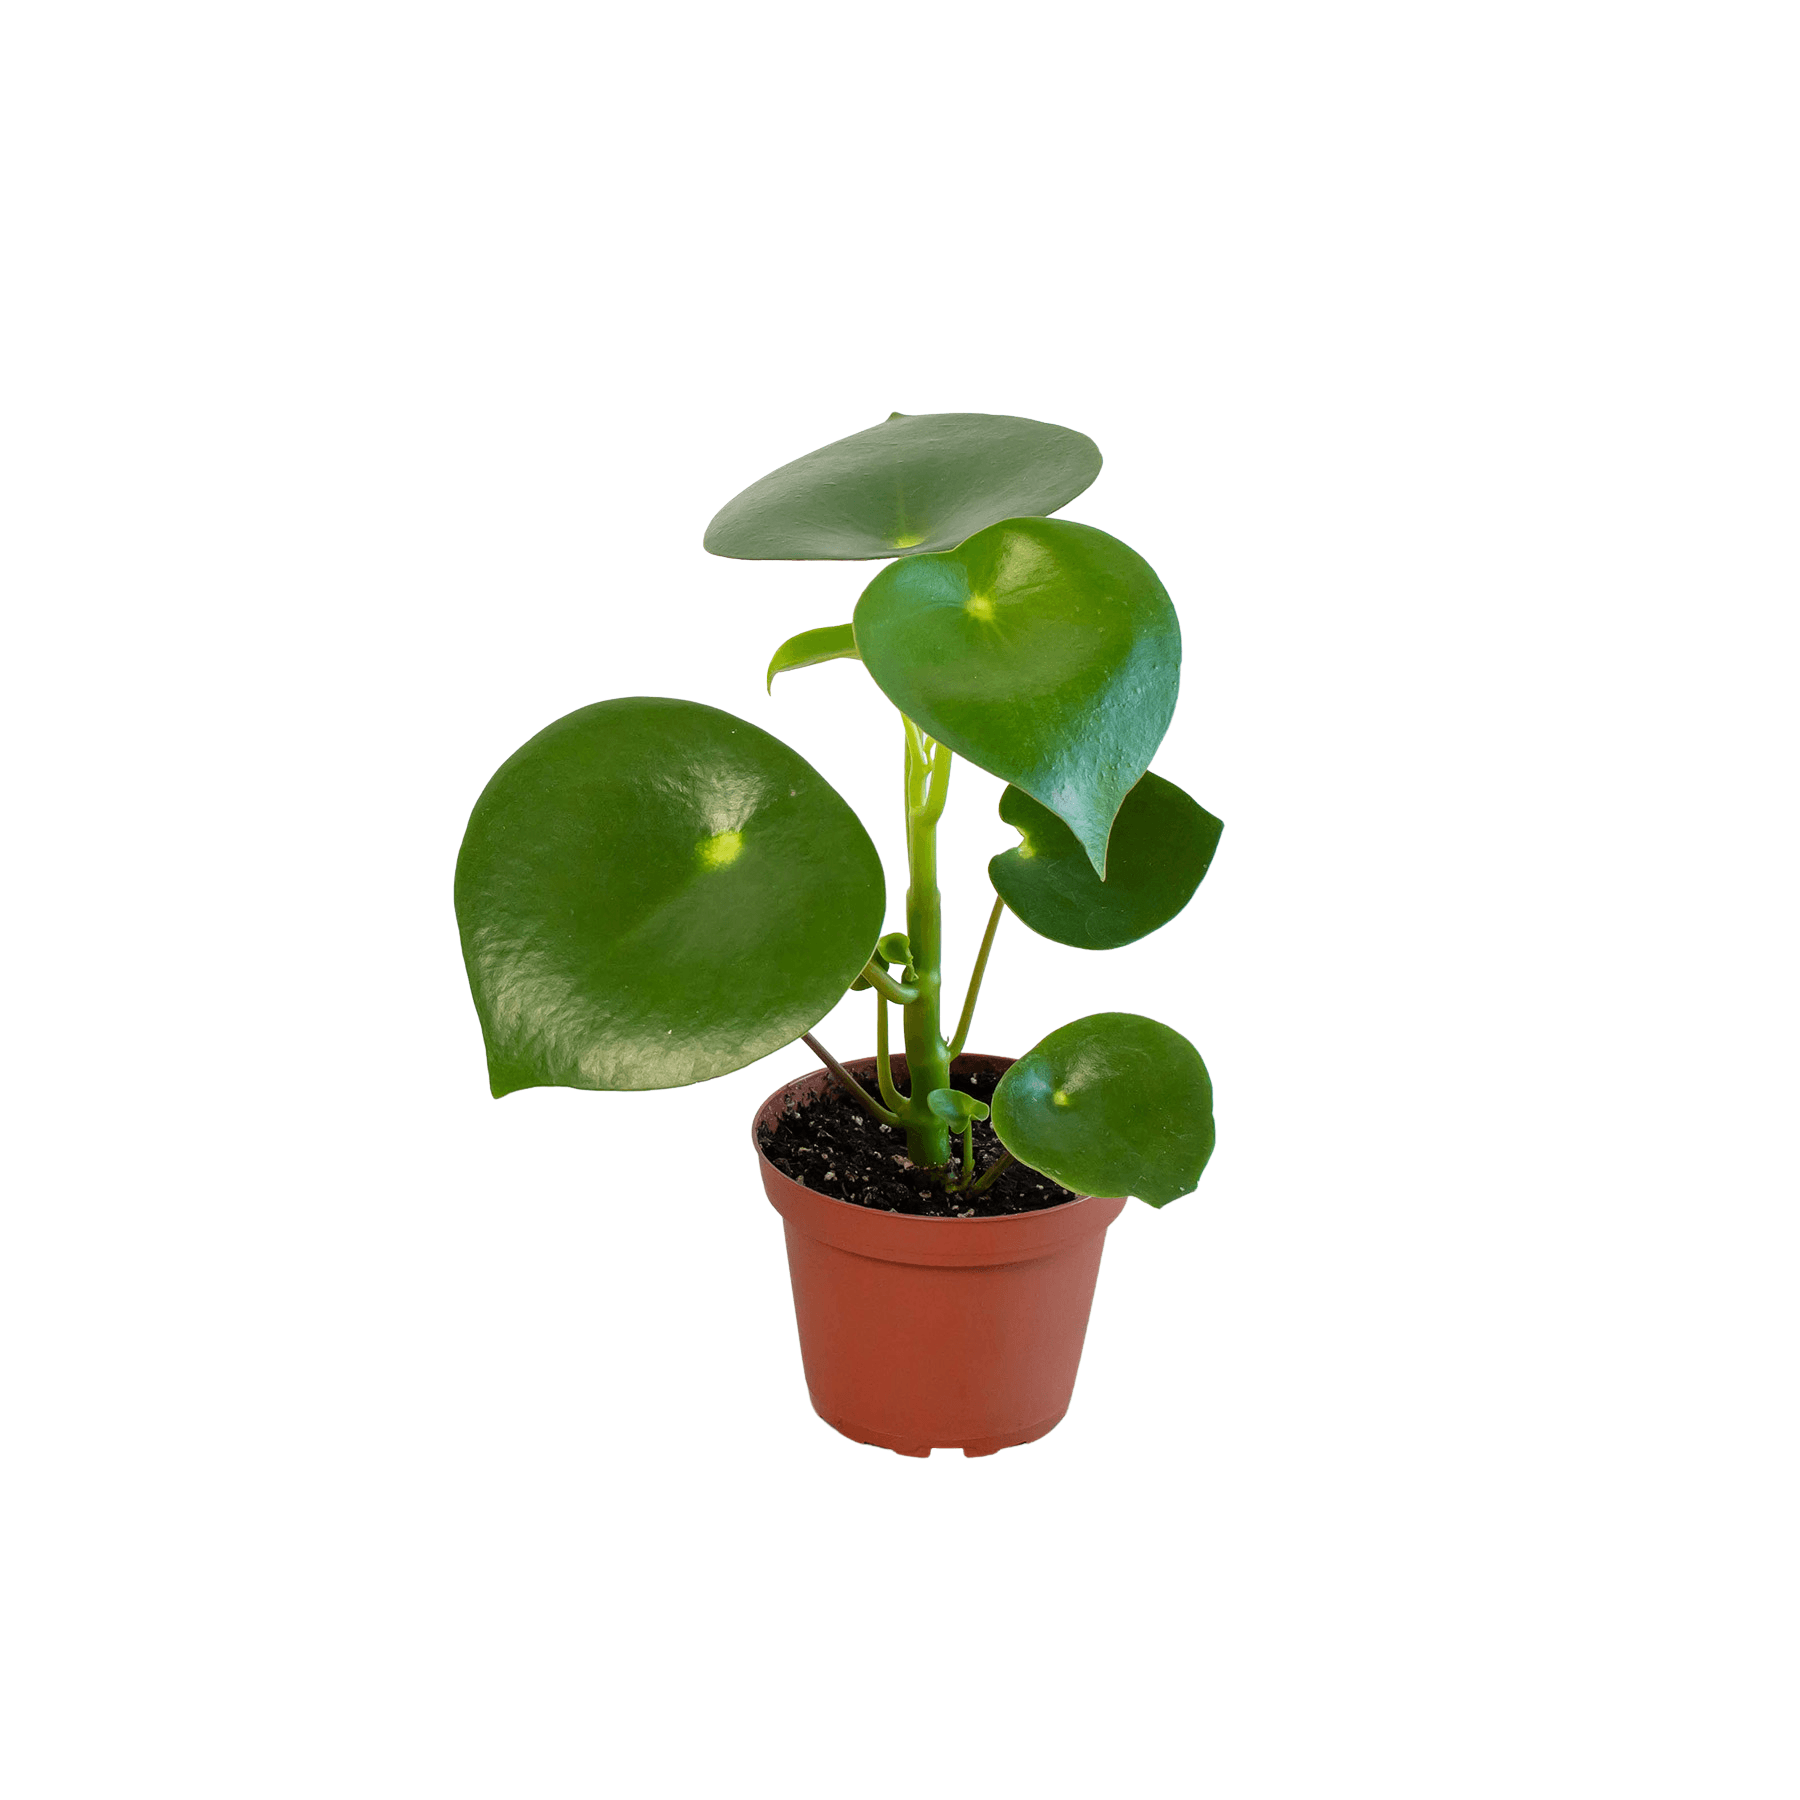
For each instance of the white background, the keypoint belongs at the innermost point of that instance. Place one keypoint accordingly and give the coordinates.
(370, 374)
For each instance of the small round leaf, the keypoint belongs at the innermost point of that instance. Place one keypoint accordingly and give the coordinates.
(1112, 1104)
(920, 482)
(809, 647)
(956, 1107)
(1161, 846)
(1043, 651)
(652, 893)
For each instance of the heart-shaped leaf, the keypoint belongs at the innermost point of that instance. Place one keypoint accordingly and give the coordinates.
(1161, 846)
(956, 1107)
(826, 644)
(920, 482)
(1112, 1104)
(652, 893)
(1044, 651)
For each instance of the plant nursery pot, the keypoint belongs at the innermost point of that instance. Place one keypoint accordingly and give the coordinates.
(923, 1334)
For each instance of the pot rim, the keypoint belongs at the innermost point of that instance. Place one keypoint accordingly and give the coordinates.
(865, 1065)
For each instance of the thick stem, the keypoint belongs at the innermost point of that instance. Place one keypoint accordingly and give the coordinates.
(927, 1055)
(968, 1011)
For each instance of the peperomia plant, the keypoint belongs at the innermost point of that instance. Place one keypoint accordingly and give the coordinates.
(652, 892)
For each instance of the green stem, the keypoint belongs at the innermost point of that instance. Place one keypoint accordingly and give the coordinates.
(995, 1171)
(850, 1084)
(968, 1155)
(884, 1067)
(981, 961)
(927, 1055)
(883, 983)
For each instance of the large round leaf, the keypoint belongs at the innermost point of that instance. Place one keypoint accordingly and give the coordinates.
(1112, 1104)
(1044, 651)
(920, 482)
(1162, 843)
(652, 893)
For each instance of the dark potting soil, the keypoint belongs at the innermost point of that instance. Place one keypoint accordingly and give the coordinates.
(832, 1146)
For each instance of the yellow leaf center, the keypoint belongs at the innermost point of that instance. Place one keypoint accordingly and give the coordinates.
(723, 848)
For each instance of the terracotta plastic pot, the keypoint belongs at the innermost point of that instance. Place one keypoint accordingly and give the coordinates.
(916, 1334)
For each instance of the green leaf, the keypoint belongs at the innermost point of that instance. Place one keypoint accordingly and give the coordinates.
(1112, 1104)
(1046, 652)
(652, 893)
(826, 644)
(924, 482)
(894, 949)
(957, 1108)
(1161, 846)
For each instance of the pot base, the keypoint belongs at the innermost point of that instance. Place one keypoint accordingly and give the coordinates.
(984, 1446)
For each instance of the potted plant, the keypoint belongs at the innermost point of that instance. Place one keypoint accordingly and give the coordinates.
(653, 893)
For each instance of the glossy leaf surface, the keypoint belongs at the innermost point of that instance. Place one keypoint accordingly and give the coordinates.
(956, 1107)
(915, 482)
(1044, 651)
(1161, 846)
(1112, 1104)
(651, 893)
(826, 644)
